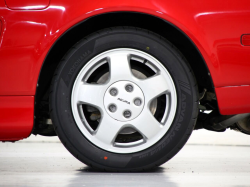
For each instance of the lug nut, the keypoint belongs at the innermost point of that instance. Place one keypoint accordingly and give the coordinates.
(137, 102)
(127, 114)
(112, 108)
(113, 91)
(129, 88)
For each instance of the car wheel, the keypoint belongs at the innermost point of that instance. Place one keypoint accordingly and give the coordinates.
(123, 99)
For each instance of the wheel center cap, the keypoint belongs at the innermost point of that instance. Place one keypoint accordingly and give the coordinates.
(124, 100)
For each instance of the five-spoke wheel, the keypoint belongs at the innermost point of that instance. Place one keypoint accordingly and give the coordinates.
(123, 99)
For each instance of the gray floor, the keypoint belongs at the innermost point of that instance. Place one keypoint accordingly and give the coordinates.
(49, 164)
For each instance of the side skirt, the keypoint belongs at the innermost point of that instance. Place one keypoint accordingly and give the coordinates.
(16, 117)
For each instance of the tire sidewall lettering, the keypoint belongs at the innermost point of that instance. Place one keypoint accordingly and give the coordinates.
(164, 148)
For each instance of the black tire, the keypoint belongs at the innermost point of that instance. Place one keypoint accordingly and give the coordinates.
(67, 71)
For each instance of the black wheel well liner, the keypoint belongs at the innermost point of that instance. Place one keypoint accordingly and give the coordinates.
(167, 30)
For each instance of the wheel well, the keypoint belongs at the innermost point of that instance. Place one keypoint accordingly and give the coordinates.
(93, 24)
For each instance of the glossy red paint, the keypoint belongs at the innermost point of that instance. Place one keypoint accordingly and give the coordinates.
(16, 117)
(0, 30)
(27, 4)
(214, 26)
(229, 104)
(216, 30)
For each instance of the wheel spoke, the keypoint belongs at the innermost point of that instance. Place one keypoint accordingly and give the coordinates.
(154, 87)
(107, 130)
(119, 66)
(147, 125)
(90, 94)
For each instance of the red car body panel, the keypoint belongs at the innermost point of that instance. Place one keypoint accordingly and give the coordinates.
(27, 4)
(230, 103)
(215, 27)
(16, 117)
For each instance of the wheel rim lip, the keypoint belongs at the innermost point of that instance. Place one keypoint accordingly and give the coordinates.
(139, 145)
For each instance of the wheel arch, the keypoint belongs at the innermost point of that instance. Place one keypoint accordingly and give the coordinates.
(145, 21)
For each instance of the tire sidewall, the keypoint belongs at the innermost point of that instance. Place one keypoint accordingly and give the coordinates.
(79, 56)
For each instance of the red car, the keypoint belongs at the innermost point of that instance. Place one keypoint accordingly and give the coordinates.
(123, 83)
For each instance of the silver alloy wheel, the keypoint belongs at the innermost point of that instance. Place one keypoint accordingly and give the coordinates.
(126, 114)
